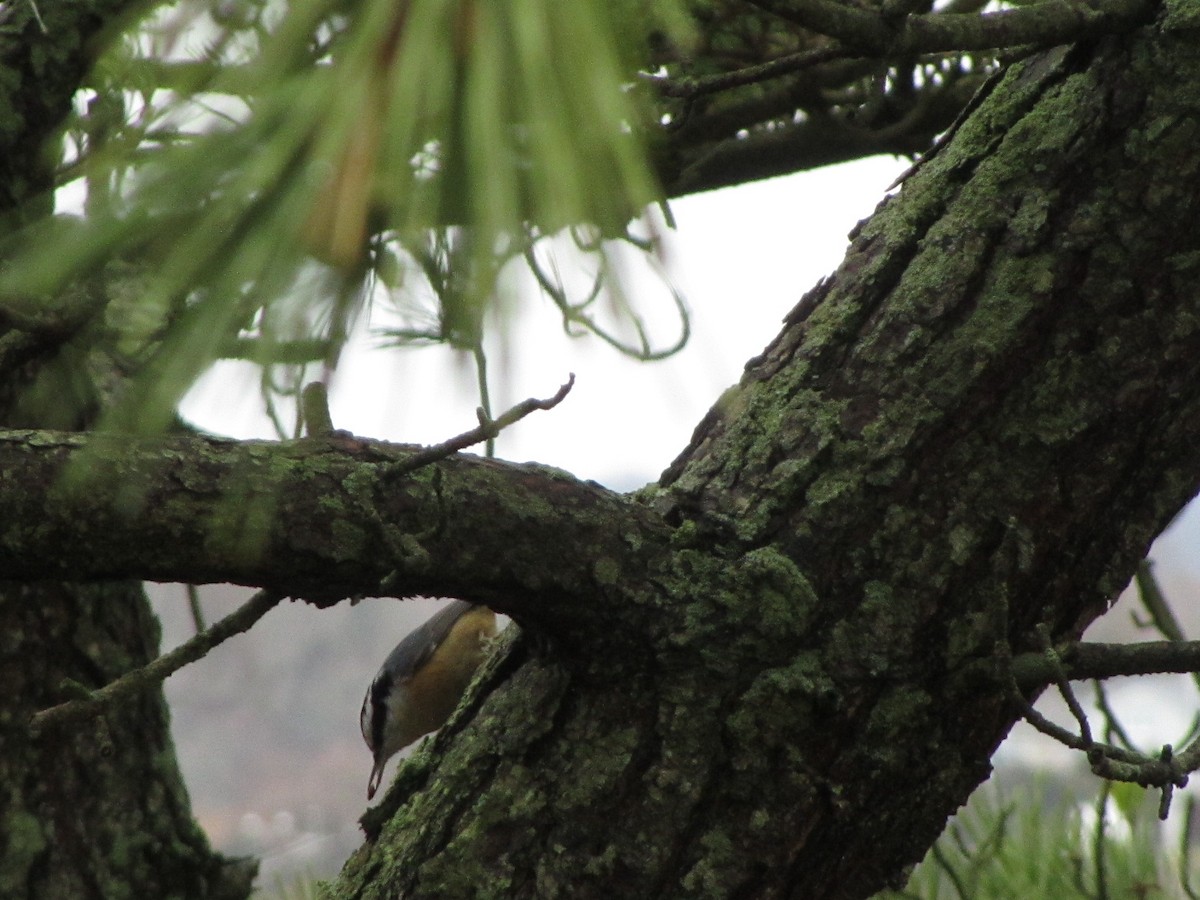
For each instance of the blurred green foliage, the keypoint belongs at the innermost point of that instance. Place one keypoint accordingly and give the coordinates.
(1038, 841)
(274, 170)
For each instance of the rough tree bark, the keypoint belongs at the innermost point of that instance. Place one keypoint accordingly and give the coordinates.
(776, 672)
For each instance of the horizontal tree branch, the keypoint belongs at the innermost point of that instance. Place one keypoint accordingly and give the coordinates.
(318, 519)
(805, 145)
(1041, 25)
(775, 68)
(1086, 660)
(725, 146)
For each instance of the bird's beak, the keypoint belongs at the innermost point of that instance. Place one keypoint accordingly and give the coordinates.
(376, 776)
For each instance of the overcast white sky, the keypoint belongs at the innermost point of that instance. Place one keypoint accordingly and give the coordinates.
(741, 257)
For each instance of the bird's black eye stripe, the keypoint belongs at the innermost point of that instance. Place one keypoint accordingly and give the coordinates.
(380, 688)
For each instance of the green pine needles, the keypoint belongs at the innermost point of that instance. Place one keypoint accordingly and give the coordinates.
(265, 181)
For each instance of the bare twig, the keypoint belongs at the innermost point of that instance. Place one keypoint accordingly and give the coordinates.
(485, 396)
(1096, 752)
(1188, 760)
(37, 15)
(691, 88)
(488, 428)
(294, 352)
(193, 595)
(1064, 685)
(1161, 615)
(1031, 715)
(89, 703)
(1136, 768)
(1112, 725)
(1107, 761)
(1151, 595)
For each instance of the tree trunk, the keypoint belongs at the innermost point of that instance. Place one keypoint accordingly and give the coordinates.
(99, 810)
(974, 428)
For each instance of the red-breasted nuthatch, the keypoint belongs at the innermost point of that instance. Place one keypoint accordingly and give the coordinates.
(422, 680)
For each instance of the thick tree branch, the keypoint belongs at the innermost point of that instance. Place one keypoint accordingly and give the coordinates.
(317, 519)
